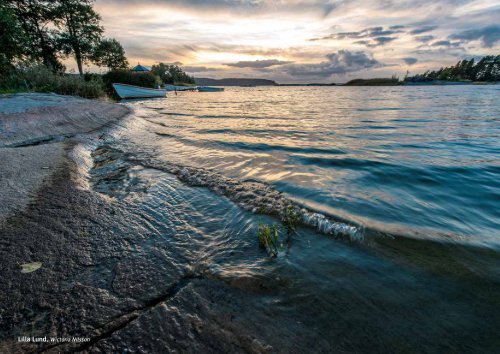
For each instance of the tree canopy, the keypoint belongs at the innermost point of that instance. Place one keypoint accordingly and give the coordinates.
(109, 53)
(34, 17)
(44, 31)
(172, 74)
(11, 39)
(80, 29)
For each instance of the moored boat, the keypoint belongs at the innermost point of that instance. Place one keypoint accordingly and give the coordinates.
(131, 91)
(179, 88)
(210, 89)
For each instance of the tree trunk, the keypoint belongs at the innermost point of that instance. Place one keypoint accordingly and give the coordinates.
(78, 58)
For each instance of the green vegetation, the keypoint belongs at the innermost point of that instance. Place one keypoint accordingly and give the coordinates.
(393, 81)
(109, 53)
(36, 34)
(290, 219)
(34, 31)
(41, 79)
(268, 238)
(45, 31)
(485, 70)
(11, 40)
(79, 29)
(172, 74)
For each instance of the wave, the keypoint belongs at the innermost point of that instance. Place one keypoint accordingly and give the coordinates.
(254, 196)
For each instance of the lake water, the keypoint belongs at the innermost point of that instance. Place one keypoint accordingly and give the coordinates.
(417, 161)
(410, 174)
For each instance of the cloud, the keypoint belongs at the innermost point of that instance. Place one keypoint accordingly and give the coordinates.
(197, 69)
(383, 40)
(424, 39)
(423, 29)
(409, 60)
(445, 43)
(369, 32)
(489, 35)
(342, 62)
(258, 64)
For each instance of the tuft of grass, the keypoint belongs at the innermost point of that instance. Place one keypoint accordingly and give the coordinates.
(290, 219)
(268, 238)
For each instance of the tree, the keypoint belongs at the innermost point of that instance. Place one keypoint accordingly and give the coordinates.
(34, 18)
(11, 39)
(80, 29)
(172, 74)
(109, 53)
(487, 69)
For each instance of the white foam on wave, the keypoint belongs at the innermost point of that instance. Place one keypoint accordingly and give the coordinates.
(329, 227)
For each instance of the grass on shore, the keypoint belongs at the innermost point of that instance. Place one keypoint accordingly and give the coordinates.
(41, 79)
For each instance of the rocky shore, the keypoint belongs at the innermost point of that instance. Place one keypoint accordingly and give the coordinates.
(35, 134)
(82, 272)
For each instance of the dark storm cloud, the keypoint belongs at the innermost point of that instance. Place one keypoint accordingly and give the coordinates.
(258, 64)
(410, 61)
(488, 35)
(342, 62)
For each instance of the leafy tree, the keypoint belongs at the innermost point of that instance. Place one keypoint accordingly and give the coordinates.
(80, 29)
(34, 18)
(109, 53)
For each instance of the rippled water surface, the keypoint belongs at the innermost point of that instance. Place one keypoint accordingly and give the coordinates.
(420, 161)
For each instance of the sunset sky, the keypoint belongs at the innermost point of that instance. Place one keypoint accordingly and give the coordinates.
(303, 40)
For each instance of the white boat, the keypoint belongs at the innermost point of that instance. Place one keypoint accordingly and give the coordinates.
(210, 89)
(179, 88)
(131, 91)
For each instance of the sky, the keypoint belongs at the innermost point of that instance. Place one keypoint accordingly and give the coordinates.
(293, 41)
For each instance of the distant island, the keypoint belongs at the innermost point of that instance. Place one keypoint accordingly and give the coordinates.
(485, 71)
(393, 81)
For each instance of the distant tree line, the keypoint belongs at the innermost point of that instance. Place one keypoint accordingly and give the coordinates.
(487, 69)
(46, 31)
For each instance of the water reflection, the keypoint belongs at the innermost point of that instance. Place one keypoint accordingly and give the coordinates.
(419, 159)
